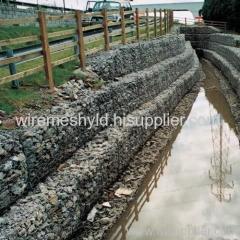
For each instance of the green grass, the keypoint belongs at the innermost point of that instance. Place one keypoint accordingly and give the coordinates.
(10, 99)
(17, 31)
(30, 93)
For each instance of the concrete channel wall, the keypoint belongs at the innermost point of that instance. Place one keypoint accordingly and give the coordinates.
(223, 50)
(81, 163)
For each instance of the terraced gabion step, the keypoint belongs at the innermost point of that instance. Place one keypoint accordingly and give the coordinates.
(57, 207)
(125, 60)
(231, 54)
(231, 40)
(220, 48)
(228, 70)
(42, 149)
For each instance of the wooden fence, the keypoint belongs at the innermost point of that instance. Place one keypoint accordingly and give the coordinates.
(104, 35)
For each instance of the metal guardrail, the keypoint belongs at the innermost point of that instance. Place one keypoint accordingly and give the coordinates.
(217, 24)
(200, 22)
(143, 24)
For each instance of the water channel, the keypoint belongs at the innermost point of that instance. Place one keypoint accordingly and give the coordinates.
(192, 193)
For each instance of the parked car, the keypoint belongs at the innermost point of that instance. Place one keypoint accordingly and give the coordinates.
(110, 6)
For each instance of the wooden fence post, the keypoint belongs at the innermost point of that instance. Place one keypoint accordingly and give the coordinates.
(147, 23)
(123, 25)
(105, 28)
(137, 25)
(171, 20)
(161, 32)
(82, 57)
(168, 20)
(46, 50)
(165, 21)
(155, 22)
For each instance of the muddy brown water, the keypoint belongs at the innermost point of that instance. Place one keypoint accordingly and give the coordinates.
(193, 191)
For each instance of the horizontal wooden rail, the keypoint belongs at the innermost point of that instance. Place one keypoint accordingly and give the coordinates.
(33, 55)
(61, 17)
(129, 21)
(19, 40)
(63, 46)
(92, 51)
(94, 27)
(112, 24)
(64, 60)
(21, 74)
(62, 33)
(118, 33)
(22, 58)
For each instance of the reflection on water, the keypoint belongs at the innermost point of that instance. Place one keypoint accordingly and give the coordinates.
(193, 192)
(220, 169)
